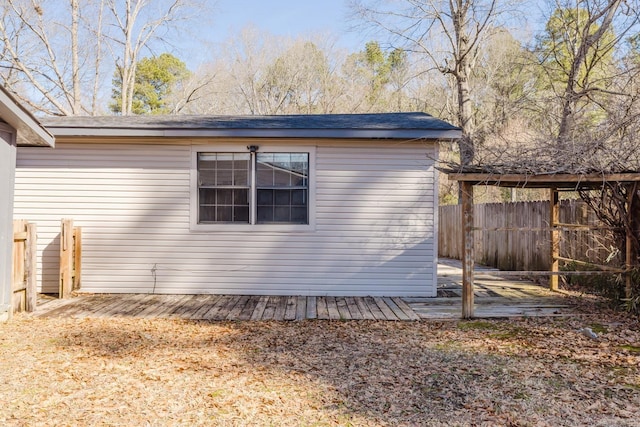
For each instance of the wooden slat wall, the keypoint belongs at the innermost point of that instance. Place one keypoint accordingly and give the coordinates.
(524, 245)
(375, 201)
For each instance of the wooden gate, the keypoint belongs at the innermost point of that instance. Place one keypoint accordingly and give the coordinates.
(24, 266)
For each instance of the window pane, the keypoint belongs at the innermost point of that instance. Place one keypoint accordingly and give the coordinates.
(240, 162)
(299, 197)
(207, 214)
(282, 197)
(264, 214)
(299, 215)
(279, 178)
(207, 177)
(281, 214)
(207, 196)
(241, 177)
(265, 197)
(264, 175)
(206, 161)
(264, 157)
(224, 197)
(241, 197)
(241, 214)
(223, 179)
(224, 214)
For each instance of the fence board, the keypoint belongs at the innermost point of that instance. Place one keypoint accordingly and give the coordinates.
(23, 274)
(70, 258)
(515, 236)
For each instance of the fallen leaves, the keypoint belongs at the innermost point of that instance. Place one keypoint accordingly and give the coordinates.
(172, 372)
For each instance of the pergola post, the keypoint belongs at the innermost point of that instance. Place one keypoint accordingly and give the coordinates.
(628, 258)
(554, 219)
(468, 250)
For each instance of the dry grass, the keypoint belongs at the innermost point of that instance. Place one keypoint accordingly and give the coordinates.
(134, 372)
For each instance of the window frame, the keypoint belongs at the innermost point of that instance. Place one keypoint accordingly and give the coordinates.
(248, 227)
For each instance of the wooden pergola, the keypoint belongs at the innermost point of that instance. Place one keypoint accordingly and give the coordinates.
(555, 183)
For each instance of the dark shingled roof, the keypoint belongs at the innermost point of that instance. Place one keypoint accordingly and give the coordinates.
(384, 125)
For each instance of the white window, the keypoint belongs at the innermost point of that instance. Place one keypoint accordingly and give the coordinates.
(269, 189)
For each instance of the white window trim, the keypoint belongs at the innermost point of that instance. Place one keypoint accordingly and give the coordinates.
(251, 228)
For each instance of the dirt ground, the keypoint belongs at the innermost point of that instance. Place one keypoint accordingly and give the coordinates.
(140, 372)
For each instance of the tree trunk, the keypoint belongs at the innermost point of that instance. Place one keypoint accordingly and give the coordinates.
(76, 105)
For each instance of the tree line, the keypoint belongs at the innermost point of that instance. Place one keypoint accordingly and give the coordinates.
(568, 88)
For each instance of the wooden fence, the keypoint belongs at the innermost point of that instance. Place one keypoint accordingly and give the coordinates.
(515, 236)
(24, 266)
(70, 258)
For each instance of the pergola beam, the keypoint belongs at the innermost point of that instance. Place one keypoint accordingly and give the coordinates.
(559, 181)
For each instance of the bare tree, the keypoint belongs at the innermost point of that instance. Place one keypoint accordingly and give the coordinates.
(587, 37)
(448, 33)
(136, 23)
(32, 33)
(259, 73)
(53, 52)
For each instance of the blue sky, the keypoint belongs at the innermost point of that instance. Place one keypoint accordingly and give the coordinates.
(280, 17)
(293, 18)
(285, 17)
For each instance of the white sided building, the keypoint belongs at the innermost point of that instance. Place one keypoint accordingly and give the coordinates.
(275, 205)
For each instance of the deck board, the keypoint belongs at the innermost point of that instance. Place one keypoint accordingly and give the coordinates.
(384, 308)
(190, 305)
(249, 308)
(364, 309)
(281, 308)
(215, 307)
(260, 307)
(354, 311)
(343, 310)
(205, 307)
(115, 308)
(312, 308)
(291, 308)
(234, 313)
(375, 310)
(270, 309)
(395, 309)
(301, 308)
(406, 309)
(332, 308)
(323, 311)
(223, 310)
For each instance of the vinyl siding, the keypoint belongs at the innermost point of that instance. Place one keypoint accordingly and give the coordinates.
(373, 234)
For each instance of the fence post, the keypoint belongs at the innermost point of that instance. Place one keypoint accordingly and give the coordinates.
(554, 219)
(77, 257)
(18, 269)
(66, 258)
(30, 267)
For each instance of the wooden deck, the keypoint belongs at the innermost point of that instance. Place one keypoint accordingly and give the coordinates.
(494, 297)
(229, 307)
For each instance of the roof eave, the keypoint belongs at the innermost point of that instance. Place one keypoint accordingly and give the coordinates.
(30, 131)
(259, 133)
